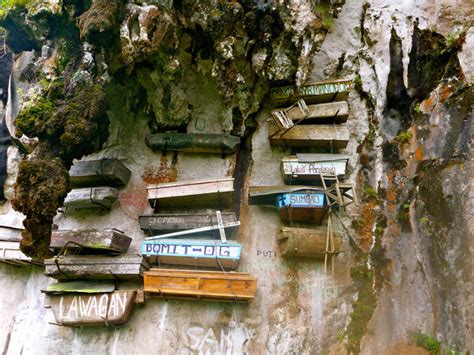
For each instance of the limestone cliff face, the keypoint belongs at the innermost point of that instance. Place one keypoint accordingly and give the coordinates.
(91, 79)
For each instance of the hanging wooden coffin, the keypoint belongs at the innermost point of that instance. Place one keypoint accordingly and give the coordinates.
(336, 112)
(193, 142)
(11, 254)
(102, 172)
(324, 91)
(308, 167)
(199, 253)
(10, 234)
(206, 285)
(168, 222)
(323, 135)
(108, 240)
(11, 225)
(193, 192)
(95, 267)
(91, 198)
(306, 243)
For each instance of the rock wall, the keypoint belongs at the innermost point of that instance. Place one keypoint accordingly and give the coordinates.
(197, 66)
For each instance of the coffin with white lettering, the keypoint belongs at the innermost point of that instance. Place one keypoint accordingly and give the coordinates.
(77, 309)
(308, 167)
(107, 240)
(200, 285)
(11, 254)
(95, 267)
(199, 253)
(323, 91)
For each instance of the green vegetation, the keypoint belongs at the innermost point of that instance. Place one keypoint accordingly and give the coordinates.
(370, 192)
(427, 342)
(404, 137)
(5, 5)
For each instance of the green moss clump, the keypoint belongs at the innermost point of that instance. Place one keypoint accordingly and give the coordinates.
(425, 341)
(404, 137)
(42, 185)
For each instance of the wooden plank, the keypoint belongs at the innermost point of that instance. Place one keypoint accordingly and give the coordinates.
(334, 111)
(86, 286)
(193, 142)
(9, 234)
(91, 198)
(94, 267)
(323, 91)
(193, 192)
(102, 172)
(268, 195)
(194, 232)
(10, 253)
(107, 240)
(199, 253)
(193, 284)
(296, 169)
(323, 135)
(169, 222)
(306, 243)
(93, 309)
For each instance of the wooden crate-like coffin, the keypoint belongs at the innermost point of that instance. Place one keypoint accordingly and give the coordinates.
(306, 243)
(91, 198)
(108, 240)
(102, 172)
(334, 111)
(324, 91)
(168, 222)
(11, 254)
(198, 253)
(10, 234)
(308, 167)
(94, 267)
(193, 142)
(322, 136)
(78, 309)
(193, 192)
(302, 206)
(207, 285)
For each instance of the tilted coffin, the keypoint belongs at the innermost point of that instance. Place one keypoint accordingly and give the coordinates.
(107, 240)
(84, 303)
(192, 192)
(324, 91)
(170, 222)
(95, 267)
(306, 243)
(10, 253)
(332, 111)
(102, 172)
(308, 167)
(322, 136)
(91, 198)
(199, 253)
(193, 142)
(207, 285)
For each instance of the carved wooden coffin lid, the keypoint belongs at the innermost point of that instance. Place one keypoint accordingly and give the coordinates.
(323, 91)
(199, 253)
(268, 195)
(91, 198)
(307, 243)
(207, 285)
(95, 267)
(193, 142)
(10, 253)
(107, 240)
(102, 172)
(323, 135)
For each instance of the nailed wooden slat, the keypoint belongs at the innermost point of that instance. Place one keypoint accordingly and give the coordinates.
(334, 111)
(91, 198)
(102, 172)
(108, 240)
(307, 243)
(323, 135)
(193, 284)
(92, 309)
(193, 142)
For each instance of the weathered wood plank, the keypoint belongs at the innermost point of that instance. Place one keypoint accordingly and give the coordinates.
(336, 111)
(207, 285)
(323, 135)
(10, 253)
(94, 267)
(168, 222)
(324, 91)
(91, 198)
(192, 192)
(193, 142)
(308, 167)
(85, 286)
(307, 243)
(93, 309)
(199, 253)
(102, 172)
(108, 240)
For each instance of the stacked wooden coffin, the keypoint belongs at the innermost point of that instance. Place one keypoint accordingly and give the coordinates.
(197, 239)
(314, 117)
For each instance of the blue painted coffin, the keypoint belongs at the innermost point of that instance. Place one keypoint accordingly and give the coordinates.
(200, 253)
(302, 206)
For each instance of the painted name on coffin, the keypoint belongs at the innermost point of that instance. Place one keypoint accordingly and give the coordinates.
(193, 250)
(301, 200)
(94, 306)
(311, 168)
